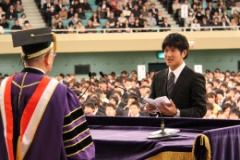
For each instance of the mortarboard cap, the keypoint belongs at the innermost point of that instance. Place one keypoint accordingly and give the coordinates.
(34, 42)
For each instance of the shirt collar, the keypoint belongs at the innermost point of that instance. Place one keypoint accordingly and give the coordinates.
(177, 71)
(35, 68)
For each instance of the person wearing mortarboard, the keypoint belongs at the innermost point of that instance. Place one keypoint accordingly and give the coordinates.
(40, 118)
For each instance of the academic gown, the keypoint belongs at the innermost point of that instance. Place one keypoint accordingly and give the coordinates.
(62, 132)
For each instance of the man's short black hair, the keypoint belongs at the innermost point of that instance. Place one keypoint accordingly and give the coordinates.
(178, 41)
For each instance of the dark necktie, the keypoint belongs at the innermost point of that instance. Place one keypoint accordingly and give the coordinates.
(170, 83)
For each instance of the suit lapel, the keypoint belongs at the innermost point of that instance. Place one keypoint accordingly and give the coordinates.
(179, 81)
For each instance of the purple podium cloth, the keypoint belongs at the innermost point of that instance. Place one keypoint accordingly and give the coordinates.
(126, 138)
(131, 142)
(225, 143)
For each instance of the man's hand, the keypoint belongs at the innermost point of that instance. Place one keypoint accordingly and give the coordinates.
(168, 109)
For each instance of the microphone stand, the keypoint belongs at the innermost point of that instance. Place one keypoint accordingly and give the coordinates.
(163, 132)
(162, 125)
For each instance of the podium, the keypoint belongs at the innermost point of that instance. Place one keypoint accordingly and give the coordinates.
(126, 138)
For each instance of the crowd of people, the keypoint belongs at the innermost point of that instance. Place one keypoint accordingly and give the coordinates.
(80, 15)
(12, 16)
(113, 14)
(123, 16)
(199, 14)
(122, 95)
(223, 95)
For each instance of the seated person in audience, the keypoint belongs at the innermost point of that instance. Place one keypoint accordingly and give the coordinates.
(60, 26)
(151, 20)
(11, 14)
(145, 91)
(222, 115)
(234, 114)
(131, 21)
(159, 17)
(95, 19)
(216, 23)
(219, 96)
(153, 9)
(90, 25)
(71, 12)
(165, 24)
(107, 26)
(122, 20)
(136, 11)
(81, 13)
(226, 108)
(224, 23)
(63, 14)
(85, 5)
(134, 110)
(204, 24)
(113, 99)
(110, 110)
(210, 112)
(2, 12)
(3, 22)
(18, 6)
(80, 28)
(56, 19)
(112, 20)
(127, 100)
(90, 108)
(195, 25)
(211, 97)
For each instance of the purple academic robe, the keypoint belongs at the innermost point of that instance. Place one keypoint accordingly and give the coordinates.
(62, 132)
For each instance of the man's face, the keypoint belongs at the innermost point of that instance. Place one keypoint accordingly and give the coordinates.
(88, 111)
(173, 57)
(110, 111)
(134, 109)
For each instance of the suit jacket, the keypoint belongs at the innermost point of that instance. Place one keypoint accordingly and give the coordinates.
(189, 93)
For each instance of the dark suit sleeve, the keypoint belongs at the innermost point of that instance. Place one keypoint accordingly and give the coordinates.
(197, 98)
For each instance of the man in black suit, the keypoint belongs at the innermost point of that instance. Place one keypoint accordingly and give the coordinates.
(185, 88)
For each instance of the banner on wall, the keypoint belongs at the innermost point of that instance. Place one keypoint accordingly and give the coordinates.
(141, 72)
(198, 68)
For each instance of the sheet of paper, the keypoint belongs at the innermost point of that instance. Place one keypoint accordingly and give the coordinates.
(157, 101)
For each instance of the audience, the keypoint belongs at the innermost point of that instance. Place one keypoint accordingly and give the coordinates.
(206, 13)
(118, 15)
(112, 95)
(125, 15)
(11, 15)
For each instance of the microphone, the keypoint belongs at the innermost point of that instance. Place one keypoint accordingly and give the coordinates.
(140, 99)
(89, 74)
(101, 74)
